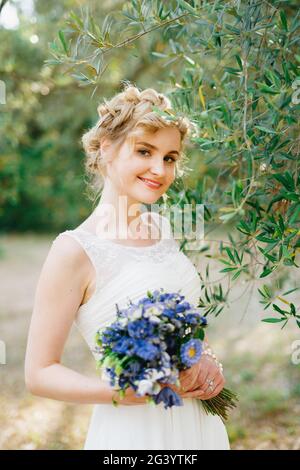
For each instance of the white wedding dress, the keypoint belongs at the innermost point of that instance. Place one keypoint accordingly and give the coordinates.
(123, 273)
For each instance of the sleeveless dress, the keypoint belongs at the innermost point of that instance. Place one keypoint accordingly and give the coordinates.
(123, 273)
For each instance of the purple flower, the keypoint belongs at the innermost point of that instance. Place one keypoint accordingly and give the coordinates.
(190, 352)
(168, 397)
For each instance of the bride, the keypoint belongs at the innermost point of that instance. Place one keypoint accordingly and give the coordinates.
(133, 154)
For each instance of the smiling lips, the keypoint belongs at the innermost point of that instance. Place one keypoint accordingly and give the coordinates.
(150, 183)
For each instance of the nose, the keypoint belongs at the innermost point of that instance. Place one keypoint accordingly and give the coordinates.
(158, 168)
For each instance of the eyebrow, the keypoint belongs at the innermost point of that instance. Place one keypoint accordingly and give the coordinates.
(155, 148)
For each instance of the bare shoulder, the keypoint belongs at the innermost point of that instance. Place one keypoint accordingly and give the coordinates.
(67, 254)
(67, 247)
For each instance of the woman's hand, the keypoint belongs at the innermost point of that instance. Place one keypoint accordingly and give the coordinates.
(199, 377)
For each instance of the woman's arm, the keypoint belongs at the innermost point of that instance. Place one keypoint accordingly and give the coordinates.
(59, 294)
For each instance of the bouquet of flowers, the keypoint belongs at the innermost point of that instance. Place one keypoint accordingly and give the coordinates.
(150, 342)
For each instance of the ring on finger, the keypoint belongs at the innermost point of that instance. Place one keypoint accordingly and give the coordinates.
(210, 382)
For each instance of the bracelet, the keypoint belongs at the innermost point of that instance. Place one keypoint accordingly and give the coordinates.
(208, 352)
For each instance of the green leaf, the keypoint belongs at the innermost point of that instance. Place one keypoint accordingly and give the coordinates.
(273, 320)
(283, 20)
(237, 274)
(76, 19)
(290, 291)
(266, 272)
(293, 309)
(225, 270)
(200, 334)
(63, 40)
(265, 253)
(186, 6)
(278, 309)
(265, 129)
(291, 196)
(286, 252)
(286, 180)
(232, 70)
(264, 239)
(281, 224)
(239, 61)
(224, 261)
(266, 89)
(230, 254)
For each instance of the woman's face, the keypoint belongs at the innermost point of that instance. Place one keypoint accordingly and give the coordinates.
(153, 157)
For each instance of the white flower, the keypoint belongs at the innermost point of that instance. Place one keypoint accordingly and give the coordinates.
(154, 375)
(145, 386)
(136, 313)
(150, 311)
(171, 327)
(154, 320)
(123, 321)
(171, 304)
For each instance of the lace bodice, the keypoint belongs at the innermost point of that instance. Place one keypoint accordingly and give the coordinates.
(125, 273)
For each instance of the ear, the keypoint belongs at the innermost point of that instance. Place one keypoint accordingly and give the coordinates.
(106, 149)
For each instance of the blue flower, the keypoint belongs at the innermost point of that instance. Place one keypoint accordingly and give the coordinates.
(168, 397)
(146, 350)
(125, 346)
(190, 352)
(166, 296)
(169, 313)
(182, 307)
(140, 329)
(111, 336)
(145, 301)
(192, 318)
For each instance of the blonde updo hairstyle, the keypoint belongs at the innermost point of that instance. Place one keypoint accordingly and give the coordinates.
(126, 115)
